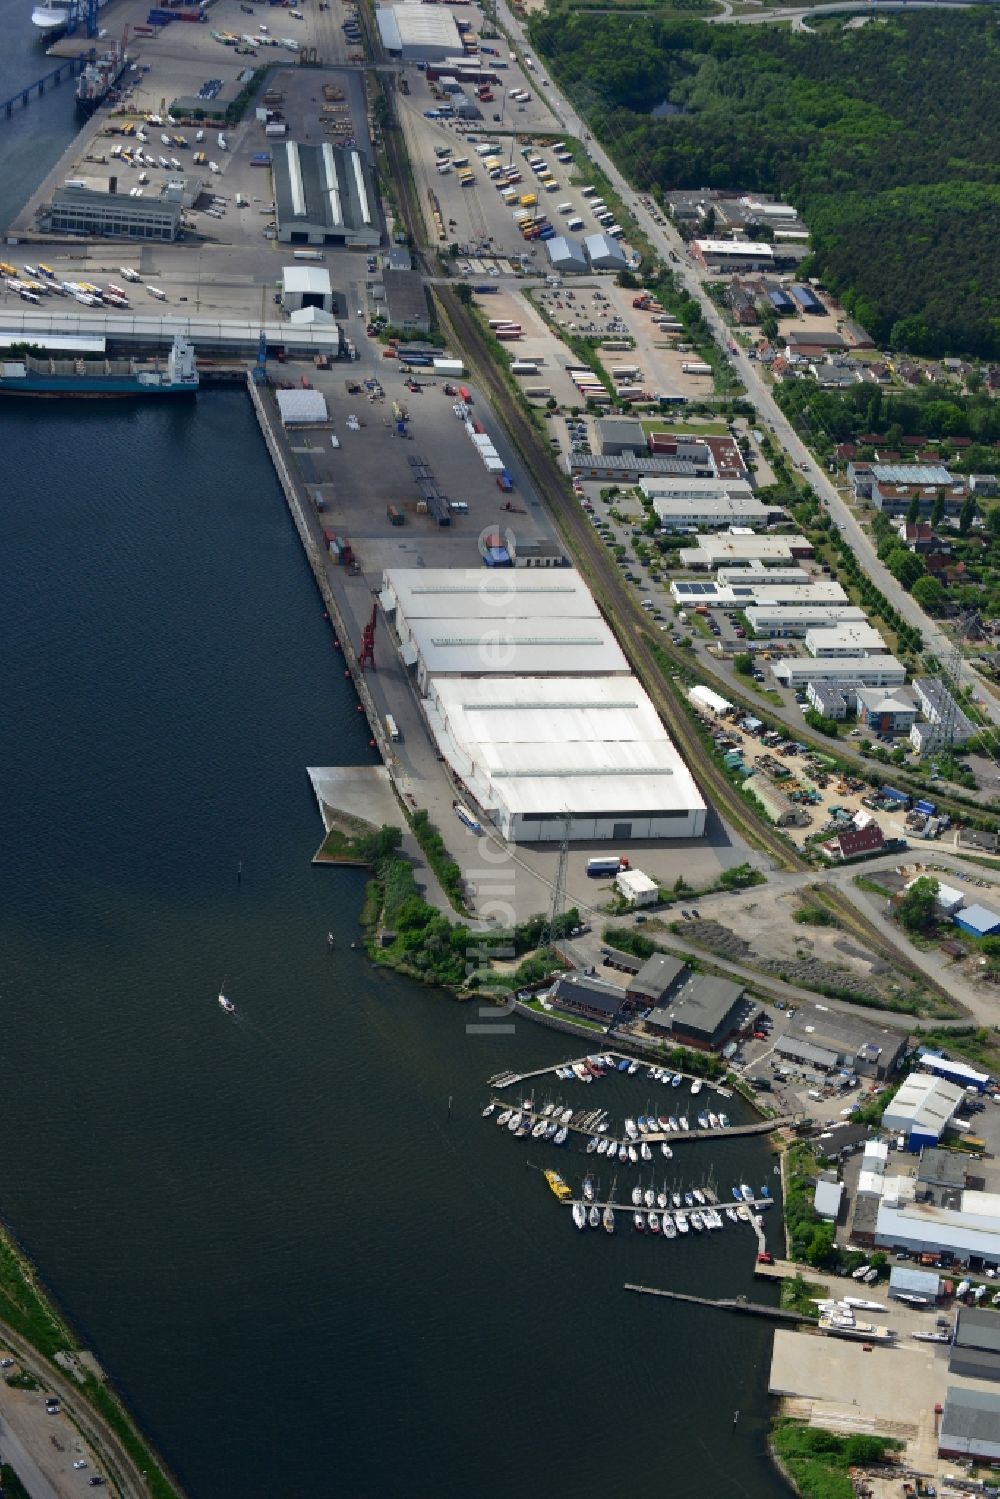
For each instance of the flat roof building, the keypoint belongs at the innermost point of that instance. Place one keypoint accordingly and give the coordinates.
(406, 303)
(854, 638)
(736, 547)
(111, 215)
(978, 921)
(325, 194)
(755, 591)
(869, 671)
(975, 1344)
(581, 994)
(620, 434)
(733, 254)
(714, 511)
(637, 888)
(906, 1281)
(827, 1196)
(547, 756)
(773, 622)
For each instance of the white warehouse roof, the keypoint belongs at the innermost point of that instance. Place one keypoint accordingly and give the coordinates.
(924, 1103)
(461, 592)
(854, 639)
(554, 746)
(297, 406)
(948, 898)
(704, 697)
(303, 280)
(733, 247)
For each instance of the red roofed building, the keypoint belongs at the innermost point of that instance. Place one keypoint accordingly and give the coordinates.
(853, 843)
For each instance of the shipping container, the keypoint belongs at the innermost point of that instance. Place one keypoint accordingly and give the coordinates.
(598, 867)
(395, 516)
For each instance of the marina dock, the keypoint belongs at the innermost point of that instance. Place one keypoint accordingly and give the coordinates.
(728, 1304)
(578, 1125)
(508, 1079)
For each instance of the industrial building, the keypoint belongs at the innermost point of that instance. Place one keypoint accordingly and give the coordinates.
(780, 808)
(978, 921)
(548, 757)
(306, 286)
(771, 622)
(940, 709)
(954, 1072)
(869, 671)
(757, 590)
(76, 209)
(622, 434)
(975, 1344)
(406, 302)
(700, 487)
(566, 256)
(850, 1043)
(970, 1425)
(965, 1224)
(922, 1109)
(733, 548)
(625, 468)
(418, 33)
(948, 899)
(325, 195)
(707, 701)
(851, 639)
(713, 512)
(733, 254)
(604, 253)
(884, 712)
(702, 1012)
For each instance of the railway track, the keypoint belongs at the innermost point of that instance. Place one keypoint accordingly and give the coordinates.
(626, 619)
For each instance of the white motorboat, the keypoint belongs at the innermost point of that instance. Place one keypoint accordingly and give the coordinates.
(226, 1003)
(649, 1197)
(594, 1216)
(633, 1155)
(633, 1068)
(631, 1130)
(608, 1220)
(713, 1120)
(669, 1226)
(698, 1196)
(579, 1215)
(662, 1200)
(645, 1152)
(592, 1144)
(623, 1152)
(731, 1215)
(746, 1192)
(504, 1118)
(637, 1197)
(685, 1122)
(602, 1146)
(566, 1116)
(681, 1220)
(676, 1199)
(639, 1222)
(666, 1152)
(561, 1136)
(539, 1130)
(696, 1222)
(488, 1110)
(515, 1121)
(654, 1223)
(588, 1188)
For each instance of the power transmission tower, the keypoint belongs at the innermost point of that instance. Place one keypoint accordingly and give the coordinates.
(558, 888)
(951, 679)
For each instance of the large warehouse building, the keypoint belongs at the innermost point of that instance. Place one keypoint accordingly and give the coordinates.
(324, 195)
(531, 703)
(418, 33)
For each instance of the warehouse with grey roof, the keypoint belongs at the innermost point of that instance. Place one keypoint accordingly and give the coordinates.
(325, 195)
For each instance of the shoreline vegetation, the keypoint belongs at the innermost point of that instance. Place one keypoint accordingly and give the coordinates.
(818, 1463)
(28, 1316)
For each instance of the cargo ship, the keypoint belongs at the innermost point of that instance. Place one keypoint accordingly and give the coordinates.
(98, 79)
(103, 378)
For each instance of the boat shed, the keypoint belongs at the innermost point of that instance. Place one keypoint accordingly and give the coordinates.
(325, 195)
(970, 1425)
(978, 921)
(922, 1109)
(906, 1280)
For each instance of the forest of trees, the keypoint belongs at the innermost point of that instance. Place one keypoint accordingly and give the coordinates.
(879, 136)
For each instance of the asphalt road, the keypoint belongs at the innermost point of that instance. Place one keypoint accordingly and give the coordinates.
(668, 241)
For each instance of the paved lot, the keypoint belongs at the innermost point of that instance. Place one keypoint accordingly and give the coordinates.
(42, 1448)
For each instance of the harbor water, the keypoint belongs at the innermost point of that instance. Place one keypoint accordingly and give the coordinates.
(35, 136)
(301, 1270)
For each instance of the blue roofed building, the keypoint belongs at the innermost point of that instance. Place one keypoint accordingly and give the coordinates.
(978, 921)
